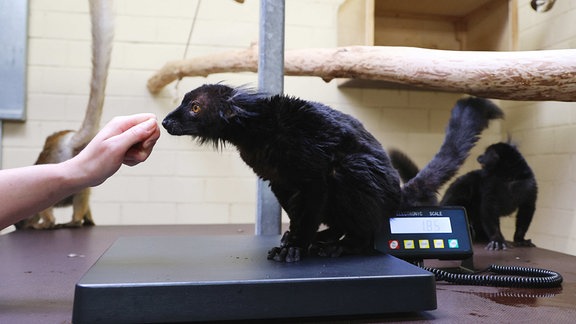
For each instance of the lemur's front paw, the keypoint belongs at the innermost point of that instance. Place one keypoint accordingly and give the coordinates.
(496, 245)
(288, 251)
(285, 254)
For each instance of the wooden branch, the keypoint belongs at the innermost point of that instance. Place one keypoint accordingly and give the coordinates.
(523, 75)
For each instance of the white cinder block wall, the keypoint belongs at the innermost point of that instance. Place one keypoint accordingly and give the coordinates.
(546, 133)
(185, 183)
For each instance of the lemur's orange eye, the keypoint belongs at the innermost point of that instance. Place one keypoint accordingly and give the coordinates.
(195, 108)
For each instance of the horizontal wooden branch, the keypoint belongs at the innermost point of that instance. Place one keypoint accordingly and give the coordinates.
(521, 75)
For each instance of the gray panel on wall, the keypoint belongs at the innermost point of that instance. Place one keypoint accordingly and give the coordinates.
(13, 37)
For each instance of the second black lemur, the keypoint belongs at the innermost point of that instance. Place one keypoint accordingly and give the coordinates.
(323, 165)
(504, 184)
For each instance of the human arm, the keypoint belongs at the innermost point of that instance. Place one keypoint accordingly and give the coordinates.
(124, 140)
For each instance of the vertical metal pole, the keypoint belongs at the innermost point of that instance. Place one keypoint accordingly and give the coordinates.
(1, 124)
(270, 80)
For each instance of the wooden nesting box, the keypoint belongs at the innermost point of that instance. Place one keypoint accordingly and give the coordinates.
(463, 25)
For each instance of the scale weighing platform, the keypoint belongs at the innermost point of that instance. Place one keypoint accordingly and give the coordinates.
(213, 278)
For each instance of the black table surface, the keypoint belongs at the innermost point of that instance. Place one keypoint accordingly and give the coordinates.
(39, 270)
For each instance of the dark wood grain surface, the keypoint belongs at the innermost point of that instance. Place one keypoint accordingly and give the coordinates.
(39, 269)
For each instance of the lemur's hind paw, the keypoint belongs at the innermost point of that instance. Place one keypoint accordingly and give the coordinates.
(332, 250)
(523, 243)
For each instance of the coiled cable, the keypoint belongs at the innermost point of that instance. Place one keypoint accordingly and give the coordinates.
(503, 276)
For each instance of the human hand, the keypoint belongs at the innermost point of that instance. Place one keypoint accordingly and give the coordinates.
(124, 140)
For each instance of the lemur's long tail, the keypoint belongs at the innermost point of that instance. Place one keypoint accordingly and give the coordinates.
(407, 169)
(102, 20)
(470, 116)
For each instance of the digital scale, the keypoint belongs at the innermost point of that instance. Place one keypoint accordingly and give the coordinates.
(427, 233)
(215, 278)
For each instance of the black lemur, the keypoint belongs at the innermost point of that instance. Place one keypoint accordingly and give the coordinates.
(504, 184)
(322, 165)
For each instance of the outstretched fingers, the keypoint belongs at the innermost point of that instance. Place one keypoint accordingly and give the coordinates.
(121, 124)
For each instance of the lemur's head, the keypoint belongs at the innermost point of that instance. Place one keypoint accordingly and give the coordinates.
(504, 159)
(207, 113)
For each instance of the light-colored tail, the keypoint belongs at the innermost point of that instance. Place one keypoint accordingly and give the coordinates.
(102, 19)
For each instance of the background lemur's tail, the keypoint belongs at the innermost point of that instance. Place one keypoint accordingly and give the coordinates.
(102, 20)
(470, 116)
(407, 169)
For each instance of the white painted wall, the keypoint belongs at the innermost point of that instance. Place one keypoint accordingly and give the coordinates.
(184, 183)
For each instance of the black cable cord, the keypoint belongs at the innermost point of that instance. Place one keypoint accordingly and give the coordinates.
(503, 276)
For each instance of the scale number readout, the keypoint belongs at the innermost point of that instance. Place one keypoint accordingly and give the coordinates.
(416, 225)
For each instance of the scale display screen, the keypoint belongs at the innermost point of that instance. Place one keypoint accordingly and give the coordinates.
(427, 233)
(408, 225)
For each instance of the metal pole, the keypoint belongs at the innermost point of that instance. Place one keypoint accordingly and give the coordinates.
(270, 80)
(1, 124)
